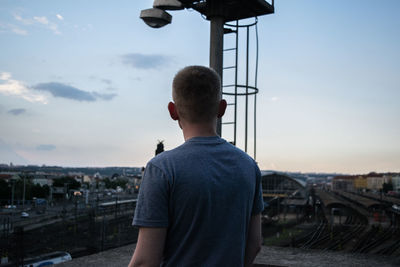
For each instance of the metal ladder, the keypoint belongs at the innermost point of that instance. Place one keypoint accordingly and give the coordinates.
(233, 84)
(232, 91)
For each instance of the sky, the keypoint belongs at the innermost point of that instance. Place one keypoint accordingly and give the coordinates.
(87, 83)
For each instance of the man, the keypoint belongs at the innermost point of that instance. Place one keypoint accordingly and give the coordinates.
(200, 203)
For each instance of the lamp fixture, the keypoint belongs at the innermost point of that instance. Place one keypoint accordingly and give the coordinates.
(155, 17)
(168, 4)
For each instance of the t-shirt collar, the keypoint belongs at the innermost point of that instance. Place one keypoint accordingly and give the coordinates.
(205, 139)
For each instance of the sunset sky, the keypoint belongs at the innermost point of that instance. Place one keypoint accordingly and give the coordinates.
(87, 83)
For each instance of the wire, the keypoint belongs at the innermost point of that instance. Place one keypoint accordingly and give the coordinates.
(255, 96)
(255, 83)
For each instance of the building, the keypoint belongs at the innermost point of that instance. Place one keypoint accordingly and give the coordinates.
(87, 179)
(396, 183)
(360, 183)
(282, 185)
(345, 183)
(375, 181)
(9, 176)
(42, 180)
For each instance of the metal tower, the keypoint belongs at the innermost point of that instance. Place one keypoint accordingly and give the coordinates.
(221, 14)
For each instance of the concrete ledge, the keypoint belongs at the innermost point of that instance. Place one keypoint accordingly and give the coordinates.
(269, 256)
(300, 257)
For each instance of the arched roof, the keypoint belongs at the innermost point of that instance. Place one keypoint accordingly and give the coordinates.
(366, 202)
(329, 200)
(300, 182)
(276, 184)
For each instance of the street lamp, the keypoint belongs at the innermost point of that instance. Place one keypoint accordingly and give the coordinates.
(168, 4)
(218, 12)
(12, 191)
(155, 17)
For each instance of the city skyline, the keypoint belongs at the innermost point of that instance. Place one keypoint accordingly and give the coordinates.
(88, 84)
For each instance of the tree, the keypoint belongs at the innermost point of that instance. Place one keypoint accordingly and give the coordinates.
(39, 191)
(386, 187)
(108, 183)
(113, 184)
(5, 191)
(72, 183)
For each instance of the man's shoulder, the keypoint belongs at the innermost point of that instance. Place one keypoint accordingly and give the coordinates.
(166, 155)
(192, 150)
(165, 158)
(238, 153)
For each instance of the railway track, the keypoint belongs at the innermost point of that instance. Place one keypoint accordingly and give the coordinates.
(359, 233)
(314, 236)
(346, 236)
(377, 240)
(335, 237)
(391, 247)
(364, 239)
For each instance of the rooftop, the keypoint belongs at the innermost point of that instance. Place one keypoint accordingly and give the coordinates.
(269, 256)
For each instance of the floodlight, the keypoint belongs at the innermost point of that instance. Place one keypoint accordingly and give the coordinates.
(155, 17)
(168, 4)
(187, 2)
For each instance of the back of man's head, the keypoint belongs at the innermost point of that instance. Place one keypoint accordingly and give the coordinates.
(196, 91)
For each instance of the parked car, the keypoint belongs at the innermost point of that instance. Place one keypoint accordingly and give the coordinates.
(24, 214)
(52, 258)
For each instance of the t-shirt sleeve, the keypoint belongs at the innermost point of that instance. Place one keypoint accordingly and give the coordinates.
(152, 206)
(258, 203)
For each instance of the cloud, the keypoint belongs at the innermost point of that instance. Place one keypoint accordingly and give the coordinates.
(17, 111)
(19, 31)
(65, 91)
(109, 84)
(9, 86)
(104, 96)
(87, 27)
(42, 20)
(142, 61)
(106, 81)
(23, 20)
(5, 76)
(12, 28)
(8, 154)
(46, 147)
(60, 17)
(274, 98)
(70, 92)
(54, 28)
(50, 25)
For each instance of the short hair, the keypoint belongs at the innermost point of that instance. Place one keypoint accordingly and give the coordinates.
(196, 91)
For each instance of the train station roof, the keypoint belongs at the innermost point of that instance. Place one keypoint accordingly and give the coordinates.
(365, 202)
(329, 200)
(300, 182)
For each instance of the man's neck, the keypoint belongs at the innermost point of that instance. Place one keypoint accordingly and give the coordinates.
(191, 130)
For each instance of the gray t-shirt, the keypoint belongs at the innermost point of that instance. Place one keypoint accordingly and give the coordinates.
(204, 192)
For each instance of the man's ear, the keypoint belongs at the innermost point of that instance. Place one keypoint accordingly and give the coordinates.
(221, 108)
(172, 111)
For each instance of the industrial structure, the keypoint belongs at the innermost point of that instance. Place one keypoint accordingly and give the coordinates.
(225, 19)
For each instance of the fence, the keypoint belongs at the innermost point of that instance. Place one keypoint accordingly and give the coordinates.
(79, 233)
